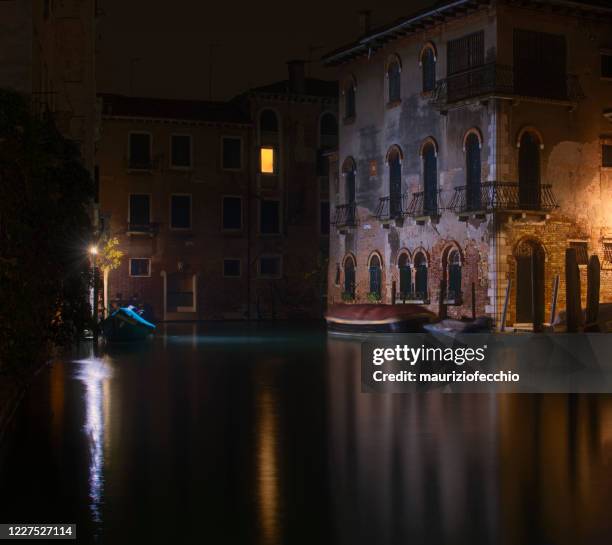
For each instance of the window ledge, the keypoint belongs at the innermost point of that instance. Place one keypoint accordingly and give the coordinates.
(393, 104)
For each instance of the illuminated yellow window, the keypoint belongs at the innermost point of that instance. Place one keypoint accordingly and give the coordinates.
(267, 160)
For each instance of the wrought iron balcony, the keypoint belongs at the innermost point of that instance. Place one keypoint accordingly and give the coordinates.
(346, 215)
(502, 196)
(422, 206)
(392, 207)
(495, 79)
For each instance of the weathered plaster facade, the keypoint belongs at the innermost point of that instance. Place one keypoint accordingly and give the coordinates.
(569, 132)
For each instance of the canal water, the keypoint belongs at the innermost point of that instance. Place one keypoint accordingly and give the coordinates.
(258, 434)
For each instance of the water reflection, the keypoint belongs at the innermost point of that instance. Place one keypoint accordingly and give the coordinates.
(95, 373)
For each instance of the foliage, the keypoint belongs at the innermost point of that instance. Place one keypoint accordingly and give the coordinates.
(348, 296)
(109, 256)
(44, 230)
(374, 297)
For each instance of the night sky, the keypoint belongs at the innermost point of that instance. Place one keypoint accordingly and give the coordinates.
(170, 41)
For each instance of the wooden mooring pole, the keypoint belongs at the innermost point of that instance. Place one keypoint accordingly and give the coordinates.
(505, 310)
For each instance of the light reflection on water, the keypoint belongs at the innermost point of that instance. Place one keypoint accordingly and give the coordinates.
(95, 373)
(242, 434)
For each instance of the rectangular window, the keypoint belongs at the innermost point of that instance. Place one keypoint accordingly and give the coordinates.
(232, 153)
(232, 213)
(231, 268)
(608, 251)
(269, 217)
(582, 254)
(606, 155)
(180, 212)
(140, 266)
(324, 218)
(140, 150)
(465, 53)
(606, 65)
(180, 151)
(267, 161)
(270, 267)
(140, 210)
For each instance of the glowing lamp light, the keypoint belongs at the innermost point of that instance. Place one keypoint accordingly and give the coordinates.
(93, 250)
(267, 160)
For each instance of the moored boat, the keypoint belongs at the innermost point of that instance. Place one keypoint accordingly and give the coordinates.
(379, 318)
(126, 325)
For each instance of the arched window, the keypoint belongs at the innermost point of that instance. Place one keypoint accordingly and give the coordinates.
(268, 121)
(349, 99)
(473, 172)
(420, 277)
(529, 172)
(428, 67)
(393, 80)
(328, 130)
(405, 277)
(375, 276)
(395, 182)
(430, 179)
(349, 277)
(453, 288)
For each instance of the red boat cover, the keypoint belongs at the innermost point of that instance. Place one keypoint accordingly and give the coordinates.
(369, 313)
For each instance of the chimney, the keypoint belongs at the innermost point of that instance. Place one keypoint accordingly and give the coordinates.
(365, 21)
(297, 80)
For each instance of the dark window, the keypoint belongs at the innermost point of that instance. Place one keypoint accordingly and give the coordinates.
(337, 277)
(430, 180)
(606, 65)
(268, 122)
(473, 172)
(269, 266)
(180, 151)
(395, 184)
(420, 277)
(140, 210)
(349, 101)
(606, 155)
(231, 268)
(324, 219)
(269, 217)
(140, 151)
(428, 66)
(582, 254)
(329, 131)
(405, 277)
(232, 213)
(232, 153)
(465, 53)
(140, 267)
(529, 172)
(393, 74)
(539, 64)
(180, 212)
(454, 276)
(349, 277)
(322, 163)
(375, 276)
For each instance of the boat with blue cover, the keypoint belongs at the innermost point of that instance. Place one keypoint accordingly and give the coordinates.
(125, 324)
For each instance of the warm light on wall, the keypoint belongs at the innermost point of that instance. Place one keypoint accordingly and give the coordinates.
(267, 160)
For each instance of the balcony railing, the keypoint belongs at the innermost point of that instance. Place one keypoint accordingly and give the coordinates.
(496, 79)
(412, 297)
(508, 196)
(346, 215)
(142, 228)
(423, 205)
(392, 207)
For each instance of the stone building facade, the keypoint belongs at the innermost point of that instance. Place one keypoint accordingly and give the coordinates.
(221, 208)
(474, 149)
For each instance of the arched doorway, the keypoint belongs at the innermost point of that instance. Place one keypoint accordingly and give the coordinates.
(529, 282)
(529, 172)
(375, 276)
(473, 172)
(453, 272)
(405, 276)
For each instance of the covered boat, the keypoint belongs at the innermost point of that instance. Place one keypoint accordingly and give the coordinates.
(125, 324)
(370, 318)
